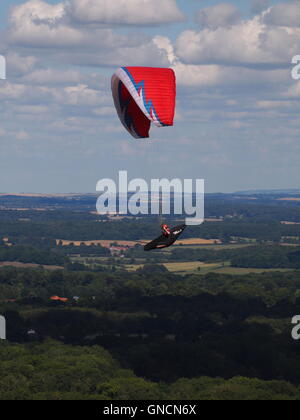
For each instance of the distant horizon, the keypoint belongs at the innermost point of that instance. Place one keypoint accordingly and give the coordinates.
(57, 194)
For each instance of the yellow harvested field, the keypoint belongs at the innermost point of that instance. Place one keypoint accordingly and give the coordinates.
(187, 266)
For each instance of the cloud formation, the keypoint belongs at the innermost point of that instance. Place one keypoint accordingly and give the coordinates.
(284, 14)
(236, 96)
(249, 42)
(126, 12)
(219, 15)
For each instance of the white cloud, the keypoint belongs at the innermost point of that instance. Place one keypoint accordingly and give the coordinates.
(210, 75)
(188, 75)
(250, 42)
(79, 95)
(10, 90)
(146, 53)
(49, 29)
(19, 65)
(206, 76)
(52, 77)
(284, 14)
(142, 55)
(262, 104)
(231, 44)
(164, 44)
(200, 76)
(129, 12)
(219, 15)
(293, 91)
(30, 109)
(104, 111)
(36, 23)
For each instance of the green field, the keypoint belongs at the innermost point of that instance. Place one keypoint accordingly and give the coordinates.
(177, 267)
(180, 267)
(202, 268)
(237, 270)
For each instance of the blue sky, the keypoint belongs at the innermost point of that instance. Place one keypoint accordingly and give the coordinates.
(237, 123)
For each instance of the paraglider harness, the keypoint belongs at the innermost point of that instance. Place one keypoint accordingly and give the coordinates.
(168, 236)
(166, 239)
(166, 230)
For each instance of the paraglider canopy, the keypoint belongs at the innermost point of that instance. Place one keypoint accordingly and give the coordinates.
(144, 95)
